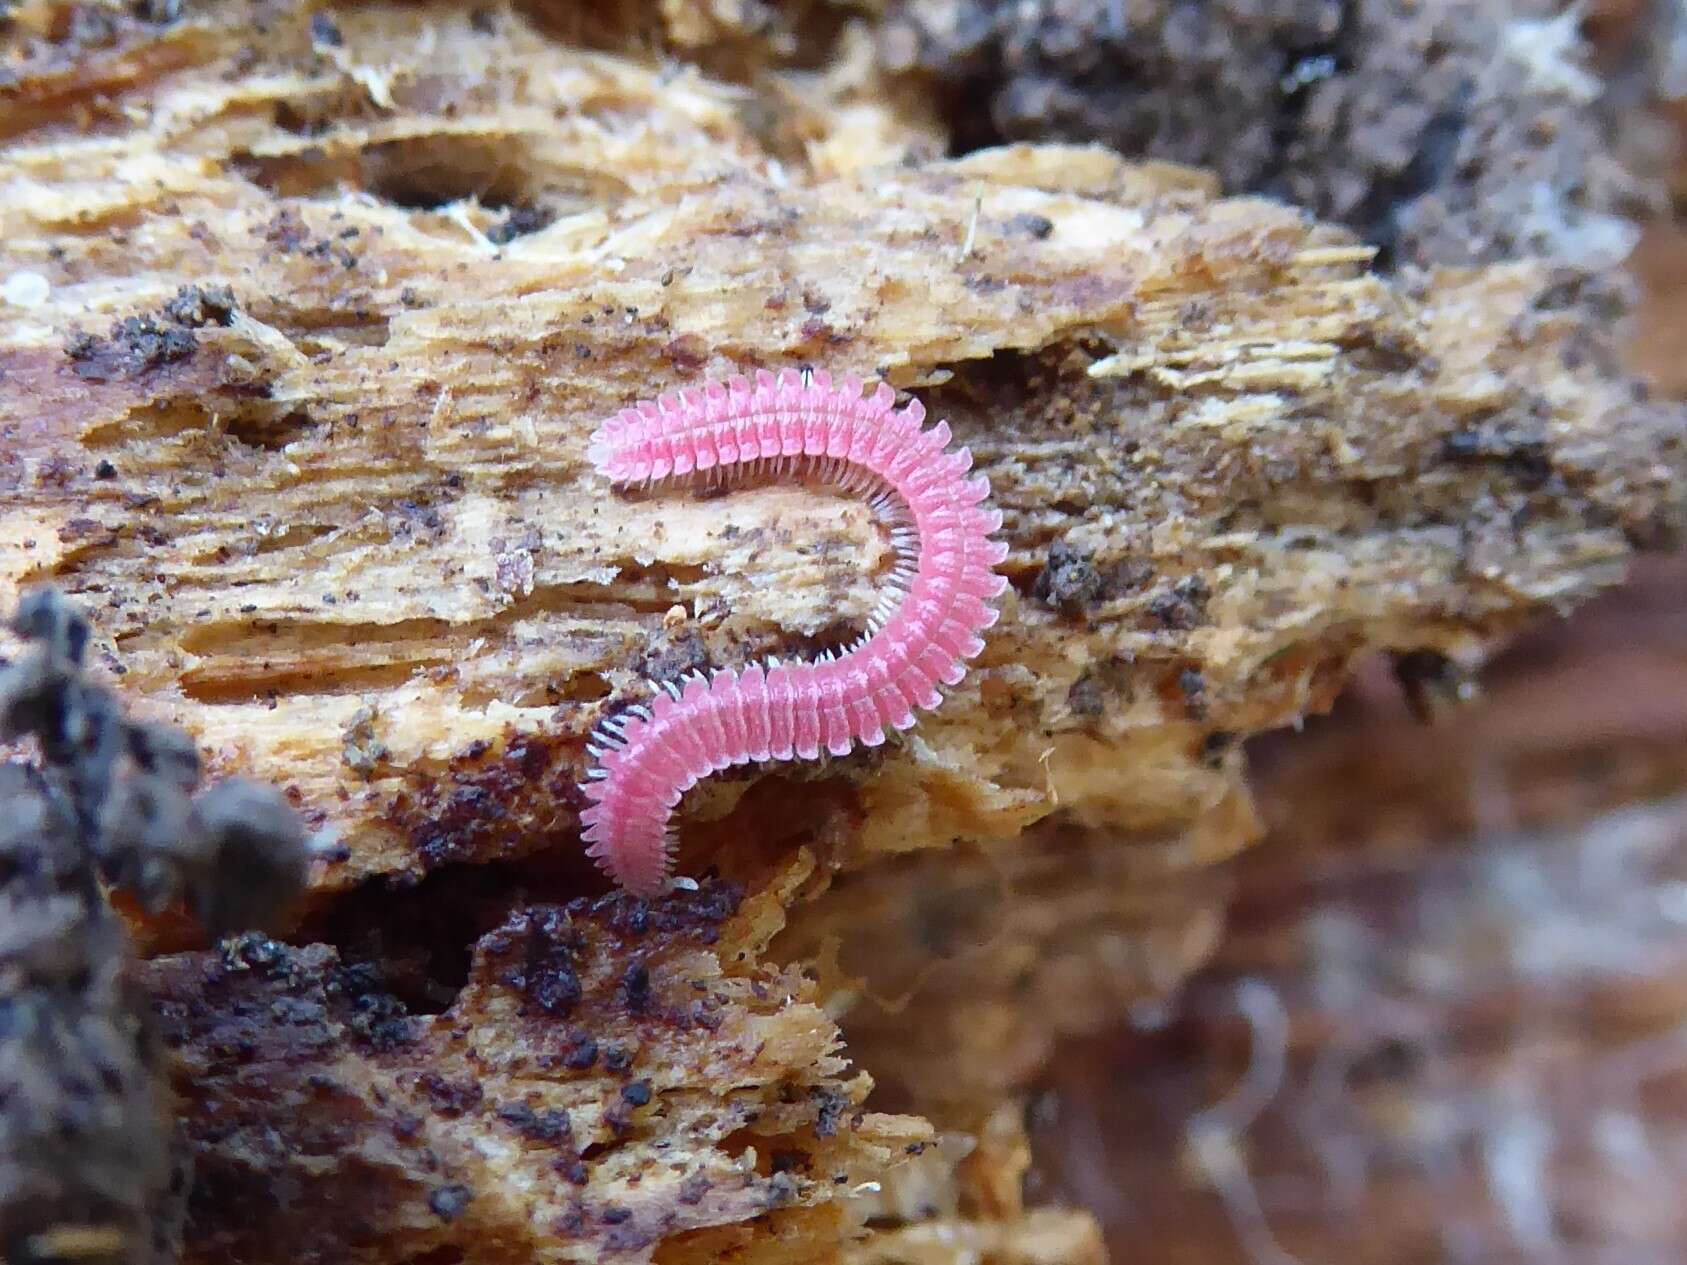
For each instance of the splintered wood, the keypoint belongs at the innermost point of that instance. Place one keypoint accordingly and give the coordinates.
(304, 324)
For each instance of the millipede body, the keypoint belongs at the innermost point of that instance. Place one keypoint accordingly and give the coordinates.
(921, 634)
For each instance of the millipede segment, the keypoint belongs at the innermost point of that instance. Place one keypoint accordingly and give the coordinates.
(939, 599)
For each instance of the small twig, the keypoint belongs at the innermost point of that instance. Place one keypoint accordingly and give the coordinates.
(972, 225)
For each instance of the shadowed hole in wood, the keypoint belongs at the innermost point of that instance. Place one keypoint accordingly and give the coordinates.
(307, 173)
(315, 331)
(244, 681)
(293, 537)
(266, 429)
(431, 173)
(421, 935)
(294, 636)
(425, 173)
(652, 590)
(586, 600)
(317, 112)
(247, 661)
(772, 813)
(739, 1143)
(259, 650)
(262, 540)
(666, 574)
(164, 419)
(250, 424)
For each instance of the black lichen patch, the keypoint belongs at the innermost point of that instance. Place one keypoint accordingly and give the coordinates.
(194, 307)
(673, 655)
(557, 958)
(543, 1128)
(1182, 605)
(286, 231)
(546, 977)
(323, 999)
(520, 222)
(361, 747)
(136, 345)
(324, 33)
(492, 802)
(696, 914)
(377, 1018)
(829, 1107)
(1087, 696)
(1038, 227)
(1192, 687)
(450, 1098)
(1068, 582)
(635, 988)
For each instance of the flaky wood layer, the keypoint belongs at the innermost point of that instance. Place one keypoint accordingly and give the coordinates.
(340, 524)
(348, 537)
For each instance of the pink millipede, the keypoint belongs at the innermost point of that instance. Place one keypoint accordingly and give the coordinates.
(920, 635)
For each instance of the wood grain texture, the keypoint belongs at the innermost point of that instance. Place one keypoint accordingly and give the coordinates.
(362, 508)
(342, 527)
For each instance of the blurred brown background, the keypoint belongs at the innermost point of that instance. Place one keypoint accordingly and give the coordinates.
(1449, 1019)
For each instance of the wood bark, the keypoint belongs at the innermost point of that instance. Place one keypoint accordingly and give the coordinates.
(306, 322)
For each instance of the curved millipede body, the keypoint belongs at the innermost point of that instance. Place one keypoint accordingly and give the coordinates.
(920, 636)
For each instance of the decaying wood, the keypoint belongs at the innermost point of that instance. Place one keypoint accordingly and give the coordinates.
(90, 1164)
(1458, 982)
(955, 977)
(305, 325)
(1574, 720)
(349, 534)
(511, 1127)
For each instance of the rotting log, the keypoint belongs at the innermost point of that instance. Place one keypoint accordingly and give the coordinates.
(306, 324)
(510, 1127)
(1457, 982)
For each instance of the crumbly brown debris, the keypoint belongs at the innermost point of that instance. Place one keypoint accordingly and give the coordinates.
(613, 1077)
(89, 1166)
(1443, 131)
